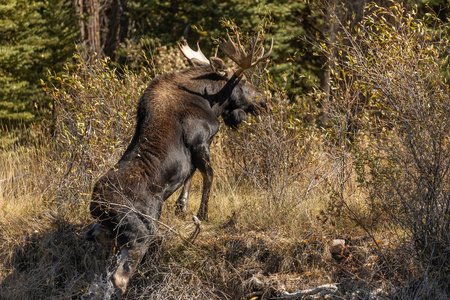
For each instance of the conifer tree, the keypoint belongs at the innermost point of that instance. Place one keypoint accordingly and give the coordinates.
(36, 37)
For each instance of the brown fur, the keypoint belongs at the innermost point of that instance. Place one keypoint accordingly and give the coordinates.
(177, 118)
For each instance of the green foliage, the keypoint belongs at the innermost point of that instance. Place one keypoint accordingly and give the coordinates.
(37, 36)
(285, 21)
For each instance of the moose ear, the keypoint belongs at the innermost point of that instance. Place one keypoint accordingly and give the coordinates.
(198, 63)
(219, 66)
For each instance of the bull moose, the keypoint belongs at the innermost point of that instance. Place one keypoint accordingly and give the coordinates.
(177, 117)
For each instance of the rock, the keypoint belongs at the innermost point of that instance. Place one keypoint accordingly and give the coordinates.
(337, 246)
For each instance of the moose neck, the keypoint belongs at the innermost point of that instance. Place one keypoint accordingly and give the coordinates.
(212, 87)
(220, 100)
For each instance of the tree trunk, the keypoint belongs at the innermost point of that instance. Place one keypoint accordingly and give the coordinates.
(112, 28)
(102, 25)
(330, 33)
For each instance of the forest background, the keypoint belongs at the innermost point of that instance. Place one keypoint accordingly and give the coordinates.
(345, 181)
(39, 39)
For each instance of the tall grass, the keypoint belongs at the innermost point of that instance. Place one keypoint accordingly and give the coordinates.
(21, 193)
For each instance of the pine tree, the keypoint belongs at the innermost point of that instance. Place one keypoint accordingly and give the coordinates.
(36, 37)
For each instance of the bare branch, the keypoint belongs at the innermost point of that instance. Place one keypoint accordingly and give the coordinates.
(323, 290)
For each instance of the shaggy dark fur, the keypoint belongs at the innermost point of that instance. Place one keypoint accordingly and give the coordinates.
(177, 117)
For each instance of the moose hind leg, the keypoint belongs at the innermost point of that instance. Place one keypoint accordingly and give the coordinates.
(135, 241)
(130, 258)
(207, 183)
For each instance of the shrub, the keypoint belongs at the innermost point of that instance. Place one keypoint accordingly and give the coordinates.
(393, 63)
(93, 123)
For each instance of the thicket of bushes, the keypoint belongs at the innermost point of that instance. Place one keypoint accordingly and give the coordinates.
(392, 102)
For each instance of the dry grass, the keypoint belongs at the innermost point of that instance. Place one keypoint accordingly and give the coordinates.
(21, 199)
(247, 248)
(44, 255)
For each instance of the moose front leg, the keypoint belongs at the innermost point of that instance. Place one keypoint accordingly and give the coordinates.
(181, 204)
(207, 183)
(198, 139)
(202, 163)
(130, 258)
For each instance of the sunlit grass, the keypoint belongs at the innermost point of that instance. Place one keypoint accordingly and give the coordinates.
(20, 191)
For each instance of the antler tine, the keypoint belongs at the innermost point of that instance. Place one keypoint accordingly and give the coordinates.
(264, 56)
(237, 53)
(191, 54)
(254, 45)
(238, 42)
(217, 50)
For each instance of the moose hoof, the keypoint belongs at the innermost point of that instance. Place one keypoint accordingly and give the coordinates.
(202, 216)
(120, 283)
(180, 212)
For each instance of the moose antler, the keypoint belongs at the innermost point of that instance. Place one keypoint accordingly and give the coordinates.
(197, 58)
(237, 53)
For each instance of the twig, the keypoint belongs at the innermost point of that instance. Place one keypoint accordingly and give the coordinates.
(254, 294)
(195, 233)
(323, 290)
(14, 178)
(171, 229)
